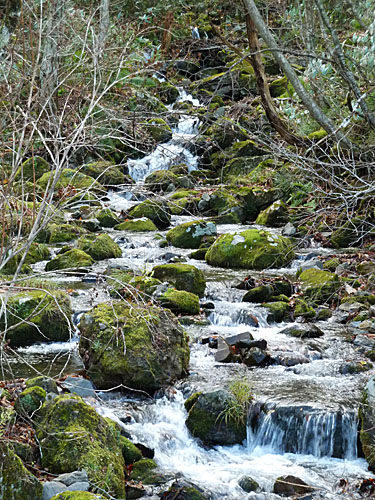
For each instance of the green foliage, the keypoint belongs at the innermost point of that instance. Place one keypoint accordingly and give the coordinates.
(238, 405)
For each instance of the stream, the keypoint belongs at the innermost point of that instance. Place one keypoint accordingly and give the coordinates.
(310, 426)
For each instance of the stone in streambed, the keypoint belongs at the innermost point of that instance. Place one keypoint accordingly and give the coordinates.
(289, 486)
(179, 301)
(319, 286)
(182, 277)
(191, 234)
(99, 247)
(250, 249)
(140, 347)
(77, 495)
(137, 225)
(72, 259)
(155, 210)
(303, 331)
(248, 484)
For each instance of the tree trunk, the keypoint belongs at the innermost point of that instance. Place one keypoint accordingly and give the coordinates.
(313, 108)
(345, 71)
(269, 107)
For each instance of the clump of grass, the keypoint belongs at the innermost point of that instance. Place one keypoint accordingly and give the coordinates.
(239, 403)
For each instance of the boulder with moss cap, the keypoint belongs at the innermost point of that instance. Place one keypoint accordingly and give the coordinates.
(16, 482)
(45, 315)
(141, 225)
(73, 436)
(155, 210)
(140, 347)
(250, 249)
(99, 247)
(191, 234)
(72, 259)
(182, 277)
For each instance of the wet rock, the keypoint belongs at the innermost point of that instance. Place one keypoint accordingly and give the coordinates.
(95, 449)
(182, 490)
(145, 450)
(258, 294)
(191, 234)
(251, 249)
(289, 486)
(17, 483)
(130, 452)
(155, 210)
(303, 331)
(289, 359)
(47, 316)
(303, 310)
(159, 130)
(368, 324)
(277, 311)
(254, 357)
(206, 420)
(148, 351)
(99, 247)
(209, 306)
(246, 284)
(79, 386)
(72, 259)
(134, 491)
(141, 225)
(182, 277)
(310, 264)
(248, 484)
(227, 346)
(351, 307)
(353, 367)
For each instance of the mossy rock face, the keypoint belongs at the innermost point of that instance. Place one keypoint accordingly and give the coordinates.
(250, 249)
(16, 482)
(30, 400)
(349, 234)
(47, 315)
(105, 172)
(180, 302)
(77, 495)
(319, 286)
(71, 177)
(33, 168)
(182, 277)
(99, 247)
(137, 225)
(73, 436)
(59, 233)
(142, 469)
(107, 218)
(303, 310)
(155, 210)
(367, 421)
(238, 167)
(258, 294)
(130, 452)
(160, 180)
(72, 259)
(279, 86)
(278, 311)
(159, 130)
(191, 234)
(274, 216)
(141, 347)
(224, 132)
(37, 252)
(206, 420)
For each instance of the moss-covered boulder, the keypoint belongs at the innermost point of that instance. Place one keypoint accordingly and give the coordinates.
(99, 247)
(159, 130)
(303, 310)
(36, 253)
(73, 436)
(60, 233)
(349, 233)
(37, 316)
(182, 277)
(179, 301)
(77, 495)
(319, 286)
(211, 422)
(105, 172)
(137, 225)
(161, 180)
(33, 168)
(130, 452)
(274, 216)
(142, 470)
(153, 209)
(182, 490)
(107, 218)
(73, 178)
(16, 482)
(278, 311)
(141, 347)
(250, 249)
(259, 294)
(191, 234)
(30, 400)
(46, 383)
(72, 259)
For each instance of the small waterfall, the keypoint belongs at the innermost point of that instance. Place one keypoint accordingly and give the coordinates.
(231, 314)
(172, 152)
(303, 430)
